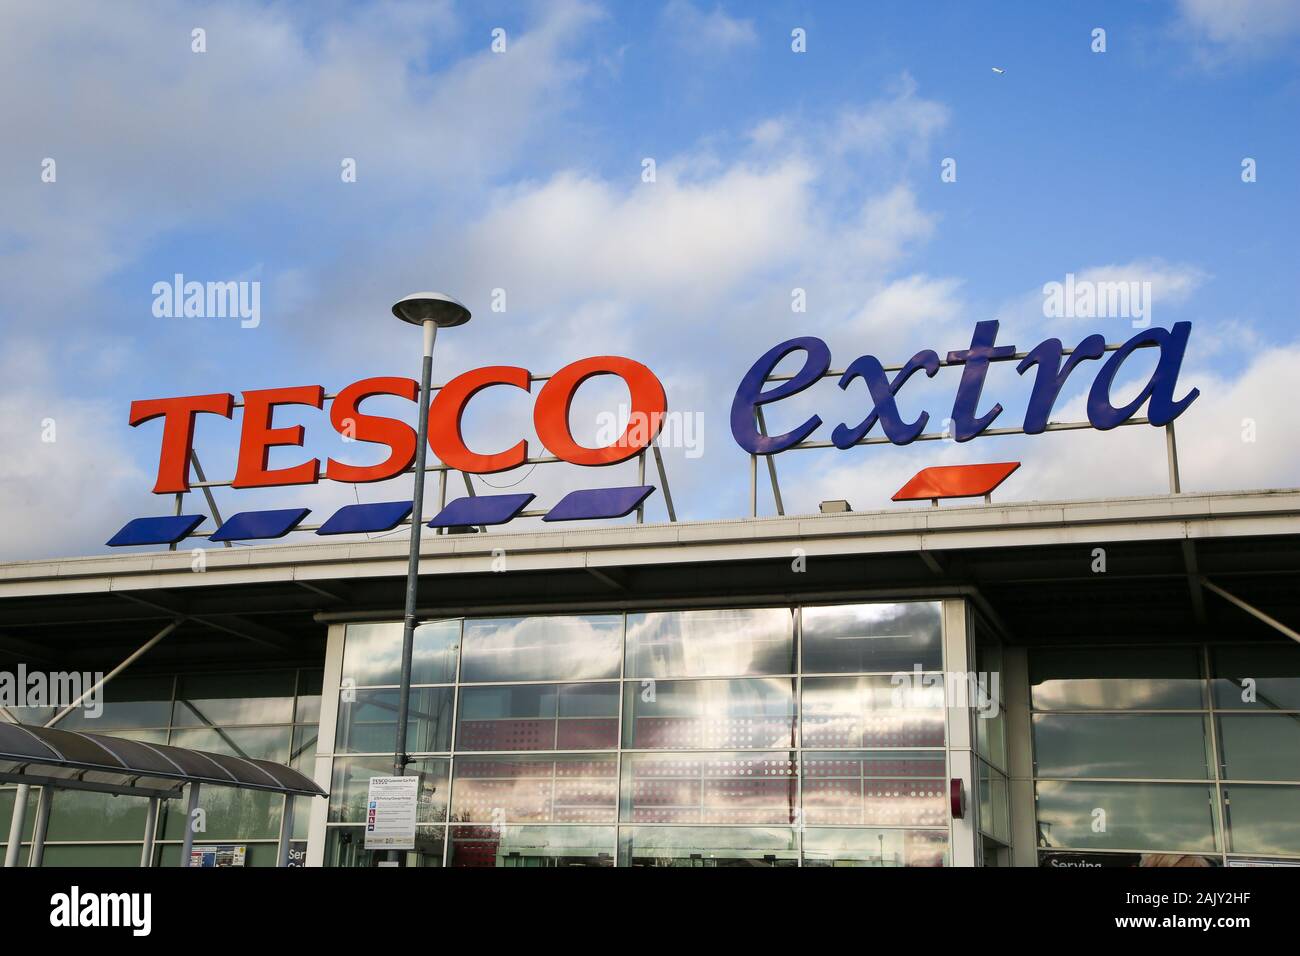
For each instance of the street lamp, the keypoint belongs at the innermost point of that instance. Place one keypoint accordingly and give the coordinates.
(431, 311)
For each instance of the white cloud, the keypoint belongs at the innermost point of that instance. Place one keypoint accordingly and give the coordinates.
(1240, 28)
(712, 32)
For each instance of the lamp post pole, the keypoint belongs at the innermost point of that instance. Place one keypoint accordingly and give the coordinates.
(413, 560)
(430, 311)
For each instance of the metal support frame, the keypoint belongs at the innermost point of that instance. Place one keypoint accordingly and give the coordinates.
(131, 659)
(663, 480)
(207, 493)
(193, 804)
(286, 831)
(640, 480)
(1171, 451)
(37, 855)
(1250, 609)
(150, 832)
(16, 822)
(771, 464)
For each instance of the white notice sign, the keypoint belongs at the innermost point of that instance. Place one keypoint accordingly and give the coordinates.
(390, 813)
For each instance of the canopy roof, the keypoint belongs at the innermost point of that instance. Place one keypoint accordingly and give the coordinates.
(43, 756)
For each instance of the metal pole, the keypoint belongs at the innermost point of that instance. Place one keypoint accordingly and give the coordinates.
(640, 480)
(771, 466)
(37, 856)
(1251, 609)
(442, 494)
(150, 831)
(16, 825)
(135, 656)
(753, 486)
(286, 830)
(1171, 449)
(663, 480)
(413, 560)
(207, 492)
(193, 804)
(180, 508)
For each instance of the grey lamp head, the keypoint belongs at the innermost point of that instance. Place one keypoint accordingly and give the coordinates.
(420, 307)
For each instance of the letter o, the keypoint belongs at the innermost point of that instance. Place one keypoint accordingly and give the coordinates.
(551, 414)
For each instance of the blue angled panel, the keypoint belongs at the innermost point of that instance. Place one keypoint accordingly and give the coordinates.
(163, 530)
(352, 519)
(485, 509)
(599, 503)
(248, 525)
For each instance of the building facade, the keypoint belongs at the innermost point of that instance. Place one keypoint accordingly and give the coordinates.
(1091, 683)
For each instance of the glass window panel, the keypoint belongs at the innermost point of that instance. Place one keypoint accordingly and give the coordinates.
(565, 788)
(1159, 746)
(487, 846)
(303, 759)
(368, 724)
(1263, 820)
(128, 702)
(350, 787)
(1260, 746)
(1134, 816)
(879, 788)
(372, 653)
(872, 712)
(253, 743)
(231, 816)
(711, 643)
(81, 855)
(346, 846)
(710, 788)
(990, 736)
(307, 708)
(94, 817)
(542, 648)
(1273, 672)
(994, 803)
(873, 637)
(862, 847)
(1116, 678)
(538, 717)
(745, 714)
(707, 846)
(250, 697)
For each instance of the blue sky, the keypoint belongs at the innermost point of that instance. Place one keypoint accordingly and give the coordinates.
(522, 170)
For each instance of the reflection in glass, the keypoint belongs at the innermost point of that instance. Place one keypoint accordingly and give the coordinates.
(1160, 746)
(711, 643)
(858, 847)
(307, 709)
(566, 788)
(707, 846)
(994, 803)
(1116, 678)
(346, 846)
(872, 637)
(372, 653)
(254, 743)
(881, 788)
(1260, 746)
(745, 714)
(709, 788)
(871, 712)
(128, 702)
(1135, 816)
(538, 717)
(1262, 820)
(1257, 677)
(368, 724)
(542, 648)
(350, 787)
(244, 698)
(487, 846)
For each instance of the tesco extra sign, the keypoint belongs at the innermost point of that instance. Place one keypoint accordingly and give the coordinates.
(259, 434)
(1051, 363)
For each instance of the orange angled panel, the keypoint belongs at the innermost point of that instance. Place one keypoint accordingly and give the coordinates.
(955, 481)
